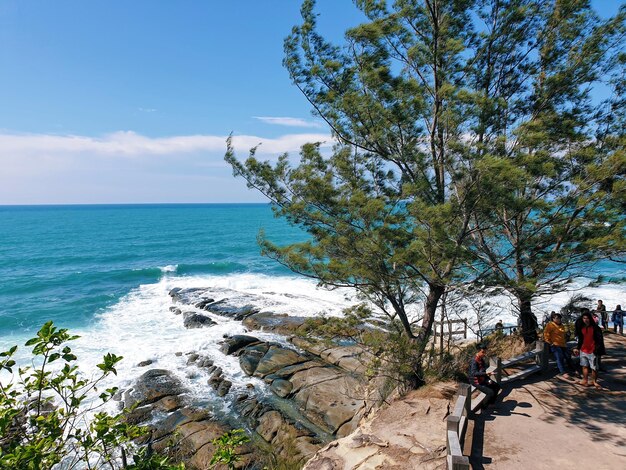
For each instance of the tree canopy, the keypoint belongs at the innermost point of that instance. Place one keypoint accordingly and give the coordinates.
(469, 148)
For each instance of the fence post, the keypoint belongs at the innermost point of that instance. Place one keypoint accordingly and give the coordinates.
(465, 328)
(465, 391)
(544, 354)
(496, 363)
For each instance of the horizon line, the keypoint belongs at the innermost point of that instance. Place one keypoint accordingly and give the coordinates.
(45, 204)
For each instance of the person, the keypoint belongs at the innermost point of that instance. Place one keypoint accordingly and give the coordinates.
(499, 325)
(590, 346)
(602, 313)
(554, 335)
(618, 320)
(479, 376)
(547, 317)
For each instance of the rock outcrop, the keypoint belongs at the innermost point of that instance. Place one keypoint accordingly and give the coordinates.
(316, 393)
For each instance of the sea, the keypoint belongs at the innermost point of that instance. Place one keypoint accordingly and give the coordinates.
(105, 271)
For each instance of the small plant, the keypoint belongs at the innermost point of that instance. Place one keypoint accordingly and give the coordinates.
(44, 410)
(227, 448)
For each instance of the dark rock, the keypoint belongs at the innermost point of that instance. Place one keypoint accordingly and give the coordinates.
(178, 353)
(175, 310)
(145, 363)
(224, 387)
(281, 387)
(140, 414)
(193, 357)
(204, 362)
(195, 320)
(224, 309)
(236, 342)
(250, 356)
(152, 386)
(203, 303)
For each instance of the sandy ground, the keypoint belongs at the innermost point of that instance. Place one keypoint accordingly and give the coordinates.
(544, 422)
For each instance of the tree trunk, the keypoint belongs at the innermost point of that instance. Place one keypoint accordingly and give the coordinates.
(527, 318)
(421, 340)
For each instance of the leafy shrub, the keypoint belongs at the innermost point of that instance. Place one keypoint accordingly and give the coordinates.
(45, 409)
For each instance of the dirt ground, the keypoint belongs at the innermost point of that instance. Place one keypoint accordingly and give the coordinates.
(545, 422)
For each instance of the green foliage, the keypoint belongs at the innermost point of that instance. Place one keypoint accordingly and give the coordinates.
(227, 448)
(44, 410)
(469, 148)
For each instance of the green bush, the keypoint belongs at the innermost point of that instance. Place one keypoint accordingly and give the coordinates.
(44, 411)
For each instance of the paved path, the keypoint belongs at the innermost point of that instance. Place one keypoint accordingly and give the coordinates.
(544, 422)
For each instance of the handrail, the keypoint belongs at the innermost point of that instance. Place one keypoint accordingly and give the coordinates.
(456, 427)
(464, 404)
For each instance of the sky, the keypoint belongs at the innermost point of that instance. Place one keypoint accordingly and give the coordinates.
(123, 101)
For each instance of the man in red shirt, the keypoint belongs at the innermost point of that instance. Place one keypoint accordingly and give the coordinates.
(591, 346)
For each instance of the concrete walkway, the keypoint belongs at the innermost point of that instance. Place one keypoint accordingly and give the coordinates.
(544, 422)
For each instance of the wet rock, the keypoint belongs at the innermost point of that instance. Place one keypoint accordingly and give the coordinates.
(250, 357)
(236, 342)
(193, 357)
(145, 363)
(204, 302)
(152, 386)
(281, 387)
(225, 309)
(224, 387)
(204, 362)
(175, 310)
(195, 320)
(178, 354)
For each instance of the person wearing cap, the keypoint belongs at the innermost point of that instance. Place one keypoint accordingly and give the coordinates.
(554, 335)
(479, 377)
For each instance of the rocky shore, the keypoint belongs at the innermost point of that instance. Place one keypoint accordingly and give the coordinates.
(312, 393)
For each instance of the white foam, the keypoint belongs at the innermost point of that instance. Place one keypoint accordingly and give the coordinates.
(170, 268)
(140, 326)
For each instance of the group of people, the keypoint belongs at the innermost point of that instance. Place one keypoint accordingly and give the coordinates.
(590, 348)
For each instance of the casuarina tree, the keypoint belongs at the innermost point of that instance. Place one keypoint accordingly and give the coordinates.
(395, 209)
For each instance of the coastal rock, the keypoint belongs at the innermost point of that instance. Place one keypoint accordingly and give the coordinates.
(195, 320)
(281, 387)
(392, 437)
(152, 386)
(225, 309)
(276, 323)
(223, 388)
(328, 398)
(145, 363)
(236, 342)
(275, 359)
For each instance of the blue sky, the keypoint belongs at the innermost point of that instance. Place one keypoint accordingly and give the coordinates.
(131, 101)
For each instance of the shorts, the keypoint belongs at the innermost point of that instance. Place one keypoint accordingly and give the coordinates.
(589, 360)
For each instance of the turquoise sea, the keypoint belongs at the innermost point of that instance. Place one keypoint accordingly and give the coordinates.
(105, 271)
(68, 263)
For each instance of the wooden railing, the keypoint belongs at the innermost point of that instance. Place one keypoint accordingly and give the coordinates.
(456, 427)
(438, 328)
(465, 404)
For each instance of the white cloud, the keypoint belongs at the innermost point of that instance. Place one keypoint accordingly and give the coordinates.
(129, 167)
(126, 143)
(288, 121)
